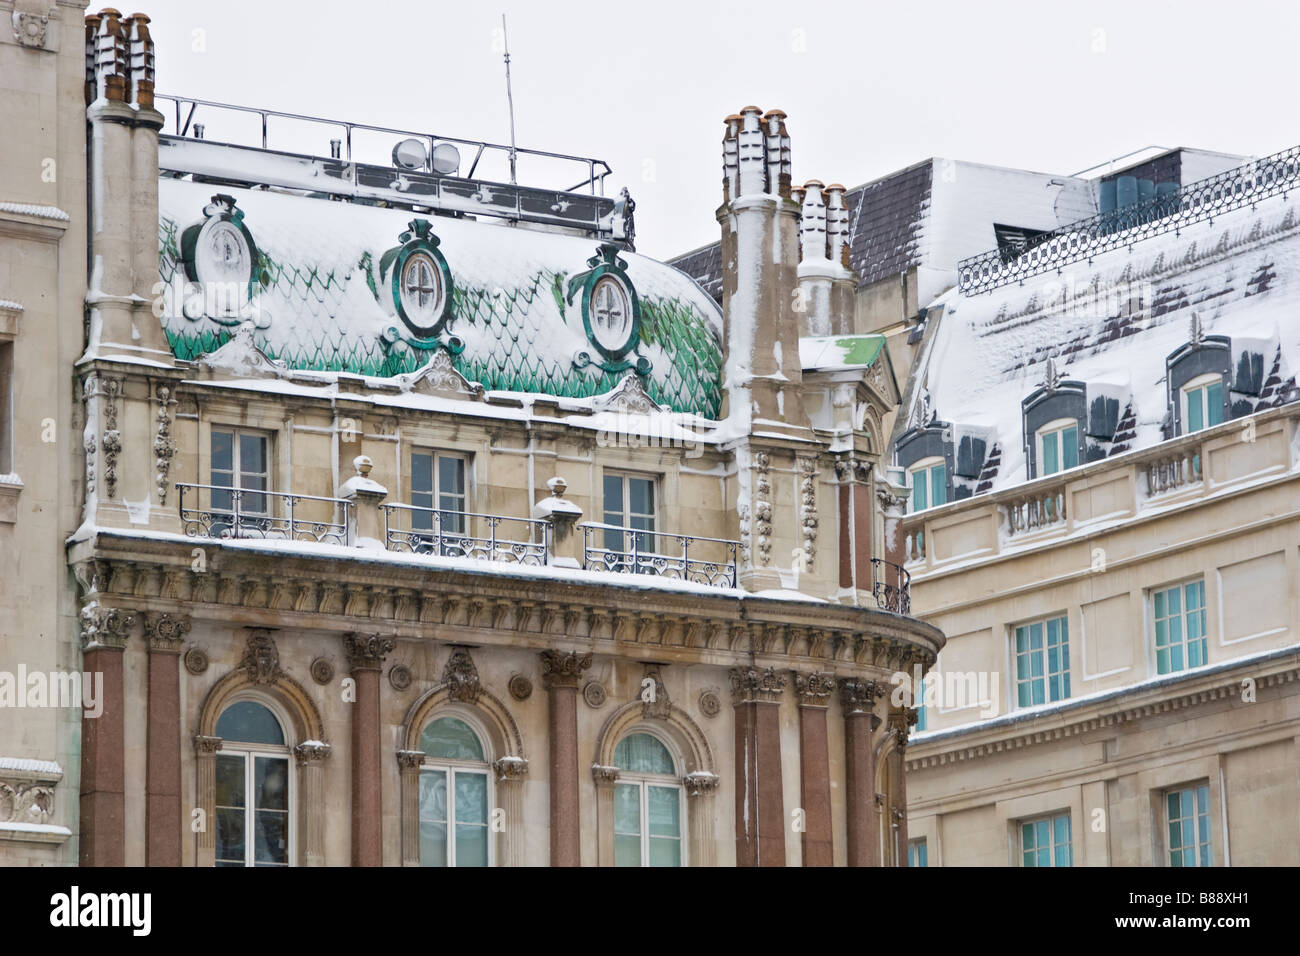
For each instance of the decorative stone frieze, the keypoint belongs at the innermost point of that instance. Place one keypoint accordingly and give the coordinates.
(763, 507)
(808, 506)
(410, 760)
(750, 684)
(593, 692)
(710, 704)
(206, 745)
(520, 687)
(164, 446)
(400, 678)
(322, 670)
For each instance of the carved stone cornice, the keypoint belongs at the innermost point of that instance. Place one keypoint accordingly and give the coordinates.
(367, 651)
(603, 775)
(261, 660)
(700, 783)
(509, 769)
(859, 696)
(563, 668)
(166, 632)
(461, 676)
(311, 752)
(105, 627)
(410, 760)
(206, 746)
(756, 685)
(815, 689)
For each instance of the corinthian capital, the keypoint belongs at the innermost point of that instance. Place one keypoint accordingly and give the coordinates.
(752, 684)
(815, 689)
(105, 627)
(367, 651)
(563, 668)
(858, 696)
(166, 632)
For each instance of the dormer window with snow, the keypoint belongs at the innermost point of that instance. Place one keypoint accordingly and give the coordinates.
(928, 479)
(1058, 446)
(1198, 377)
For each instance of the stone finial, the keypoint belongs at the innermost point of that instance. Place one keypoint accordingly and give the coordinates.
(557, 486)
(362, 465)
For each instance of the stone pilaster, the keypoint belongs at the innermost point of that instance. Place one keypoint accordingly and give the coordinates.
(561, 672)
(760, 813)
(366, 655)
(510, 773)
(311, 759)
(701, 791)
(813, 692)
(857, 700)
(205, 758)
(104, 633)
(165, 634)
(409, 763)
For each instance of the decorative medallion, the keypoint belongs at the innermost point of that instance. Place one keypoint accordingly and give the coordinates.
(222, 257)
(710, 704)
(196, 661)
(521, 688)
(611, 313)
(322, 671)
(30, 29)
(594, 694)
(399, 677)
(419, 286)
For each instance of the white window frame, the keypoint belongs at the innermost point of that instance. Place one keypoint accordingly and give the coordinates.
(451, 768)
(248, 751)
(644, 781)
(656, 482)
(1056, 429)
(1181, 587)
(923, 470)
(1196, 789)
(437, 454)
(237, 470)
(1050, 819)
(1046, 677)
(1184, 396)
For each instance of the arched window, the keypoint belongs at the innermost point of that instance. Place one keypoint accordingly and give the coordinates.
(454, 796)
(253, 800)
(647, 804)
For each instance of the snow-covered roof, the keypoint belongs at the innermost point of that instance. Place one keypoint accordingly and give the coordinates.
(835, 352)
(322, 299)
(1111, 324)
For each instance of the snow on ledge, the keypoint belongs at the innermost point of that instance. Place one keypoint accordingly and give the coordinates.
(46, 768)
(40, 212)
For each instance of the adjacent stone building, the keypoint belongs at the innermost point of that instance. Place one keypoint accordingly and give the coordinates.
(415, 519)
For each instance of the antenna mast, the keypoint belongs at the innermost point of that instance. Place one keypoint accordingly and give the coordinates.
(510, 99)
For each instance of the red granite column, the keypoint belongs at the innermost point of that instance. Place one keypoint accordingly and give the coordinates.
(857, 699)
(163, 825)
(814, 692)
(366, 657)
(862, 527)
(103, 775)
(760, 811)
(560, 672)
(844, 473)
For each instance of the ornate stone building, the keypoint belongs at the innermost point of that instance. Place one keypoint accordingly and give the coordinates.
(418, 520)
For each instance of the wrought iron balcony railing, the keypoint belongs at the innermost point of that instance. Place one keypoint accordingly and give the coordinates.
(1204, 199)
(253, 513)
(891, 586)
(452, 534)
(710, 561)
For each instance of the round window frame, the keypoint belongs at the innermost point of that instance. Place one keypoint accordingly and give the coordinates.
(441, 311)
(193, 240)
(617, 352)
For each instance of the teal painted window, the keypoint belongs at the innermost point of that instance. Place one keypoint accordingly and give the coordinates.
(1203, 406)
(647, 804)
(916, 855)
(252, 788)
(1058, 447)
(629, 503)
(1047, 841)
(1179, 614)
(1188, 812)
(1042, 662)
(239, 460)
(438, 483)
(454, 796)
(929, 484)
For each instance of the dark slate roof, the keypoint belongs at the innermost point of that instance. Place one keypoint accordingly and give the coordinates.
(885, 219)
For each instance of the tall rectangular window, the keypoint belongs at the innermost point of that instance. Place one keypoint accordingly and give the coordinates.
(1179, 614)
(1042, 662)
(1188, 817)
(916, 855)
(6, 408)
(1047, 841)
(929, 484)
(438, 484)
(629, 503)
(239, 460)
(252, 804)
(1058, 447)
(1203, 403)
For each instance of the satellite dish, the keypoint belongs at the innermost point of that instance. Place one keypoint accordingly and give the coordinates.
(410, 154)
(446, 159)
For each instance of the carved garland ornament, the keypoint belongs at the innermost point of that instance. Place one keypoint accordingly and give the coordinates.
(164, 447)
(808, 506)
(763, 508)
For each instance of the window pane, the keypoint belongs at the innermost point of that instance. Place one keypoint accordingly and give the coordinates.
(613, 498)
(252, 455)
(230, 780)
(1070, 447)
(1027, 836)
(471, 797)
(939, 485)
(433, 843)
(1051, 462)
(433, 818)
(230, 837)
(641, 496)
(627, 825)
(421, 474)
(471, 844)
(642, 753)
(451, 475)
(627, 850)
(665, 852)
(272, 844)
(451, 739)
(665, 809)
(1195, 409)
(1195, 595)
(1214, 404)
(223, 454)
(249, 722)
(919, 494)
(271, 783)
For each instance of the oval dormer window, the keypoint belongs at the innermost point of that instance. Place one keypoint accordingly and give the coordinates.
(611, 315)
(422, 292)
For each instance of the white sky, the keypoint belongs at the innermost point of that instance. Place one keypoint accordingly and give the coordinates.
(869, 87)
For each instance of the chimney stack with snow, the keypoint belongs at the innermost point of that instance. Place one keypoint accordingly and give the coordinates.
(826, 285)
(760, 257)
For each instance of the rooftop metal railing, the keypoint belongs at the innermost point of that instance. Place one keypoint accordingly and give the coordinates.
(451, 534)
(710, 561)
(255, 513)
